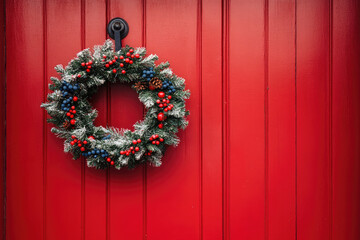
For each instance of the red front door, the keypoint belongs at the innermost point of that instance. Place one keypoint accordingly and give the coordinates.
(271, 151)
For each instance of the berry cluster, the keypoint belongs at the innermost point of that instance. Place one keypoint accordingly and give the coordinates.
(148, 153)
(164, 103)
(155, 139)
(71, 114)
(132, 149)
(87, 65)
(68, 89)
(67, 104)
(128, 60)
(99, 153)
(80, 144)
(148, 74)
(167, 85)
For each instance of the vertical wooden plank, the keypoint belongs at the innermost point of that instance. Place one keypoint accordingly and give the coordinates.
(2, 119)
(95, 180)
(346, 120)
(25, 120)
(313, 162)
(126, 186)
(63, 175)
(246, 120)
(211, 106)
(281, 169)
(173, 189)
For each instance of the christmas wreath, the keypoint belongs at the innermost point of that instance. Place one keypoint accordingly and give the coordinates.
(162, 92)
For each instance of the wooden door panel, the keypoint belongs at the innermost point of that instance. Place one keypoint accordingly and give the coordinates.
(94, 182)
(25, 142)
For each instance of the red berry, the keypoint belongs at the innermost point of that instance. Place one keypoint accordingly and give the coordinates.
(114, 70)
(153, 136)
(171, 105)
(165, 104)
(156, 136)
(153, 142)
(157, 142)
(107, 65)
(73, 137)
(139, 141)
(104, 56)
(79, 145)
(161, 117)
(161, 125)
(91, 137)
(112, 163)
(87, 70)
(132, 56)
(121, 64)
(68, 114)
(75, 98)
(158, 101)
(131, 148)
(128, 54)
(75, 140)
(131, 62)
(161, 105)
(161, 94)
(116, 57)
(137, 55)
(74, 111)
(72, 142)
(87, 64)
(89, 67)
(122, 152)
(134, 142)
(131, 50)
(123, 71)
(161, 139)
(79, 75)
(169, 97)
(72, 107)
(121, 57)
(167, 101)
(83, 64)
(71, 116)
(82, 149)
(127, 154)
(150, 138)
(110, 62)
(127, 60)
(164, 100)
(133, 152)
(108, 159)
(85, 142)
(166, 109)
(137, 149)
(72, 121)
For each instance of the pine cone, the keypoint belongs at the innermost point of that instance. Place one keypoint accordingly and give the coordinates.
(156, 82)
(66, 124)
(139, 86)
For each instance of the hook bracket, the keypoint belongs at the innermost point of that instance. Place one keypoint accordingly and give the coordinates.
(117, 29)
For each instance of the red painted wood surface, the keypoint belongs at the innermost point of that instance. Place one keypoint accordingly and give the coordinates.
(271, 151)
(2, 119)
(281, 164)
(313, 135)
(345, 117)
